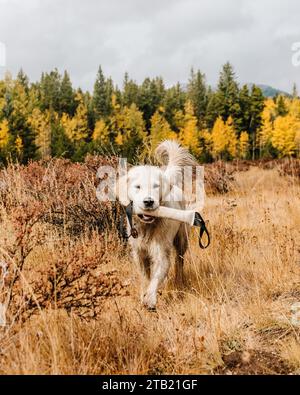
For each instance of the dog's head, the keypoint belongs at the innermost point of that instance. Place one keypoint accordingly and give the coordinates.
(146, 187)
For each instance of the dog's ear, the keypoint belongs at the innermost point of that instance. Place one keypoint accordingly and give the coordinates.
(122, 190)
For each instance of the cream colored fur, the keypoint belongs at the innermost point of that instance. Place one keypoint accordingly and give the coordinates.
(153, 248)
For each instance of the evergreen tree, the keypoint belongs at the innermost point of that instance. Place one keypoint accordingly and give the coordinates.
(227, 94)
(243, 118)
(151, 95)
(23, 79)
(67, 96)
(256, 108)
(281, 108)
(130, 91)
(294, 91)
(50, 91)
(197, 94)
(173, 101)
(101, 96)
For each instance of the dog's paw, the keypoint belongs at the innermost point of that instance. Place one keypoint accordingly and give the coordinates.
(149, 301)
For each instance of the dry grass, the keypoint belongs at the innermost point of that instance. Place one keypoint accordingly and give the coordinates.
(233, 315)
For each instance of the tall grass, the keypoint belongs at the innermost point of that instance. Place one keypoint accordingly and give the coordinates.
(72, 289)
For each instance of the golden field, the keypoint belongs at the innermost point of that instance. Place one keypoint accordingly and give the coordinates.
(72, 291)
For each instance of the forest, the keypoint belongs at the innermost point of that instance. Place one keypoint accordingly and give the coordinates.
(50, 118)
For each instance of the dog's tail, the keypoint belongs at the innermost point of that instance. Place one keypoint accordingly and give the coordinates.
(173, 155)
(175, 158)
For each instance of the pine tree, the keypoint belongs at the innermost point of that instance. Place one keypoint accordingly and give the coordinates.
(197, 94)
(243, 118)
(67, 96)
(23, 79)
(130, 91)
(213, 110)
(50, 91)
(101, 96)
(281, 107)
(256, 108)
(227, 94)
(294, 91)
(174, 100)
(150, 97)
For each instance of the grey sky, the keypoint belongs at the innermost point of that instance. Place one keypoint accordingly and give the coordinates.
(153, 37)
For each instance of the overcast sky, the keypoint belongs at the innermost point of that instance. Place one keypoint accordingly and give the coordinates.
(153, 37)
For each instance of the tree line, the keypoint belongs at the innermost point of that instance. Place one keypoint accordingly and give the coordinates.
(50, 118)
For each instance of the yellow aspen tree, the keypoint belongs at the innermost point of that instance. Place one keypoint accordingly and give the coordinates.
(264, 135)
(218, 138)
(294, 107)
(160, 130)
(206, 138)
(189, 134)
(130, 130)
(285, 133)
(40, 123)
(224, 139)
(179, 119)
(19, 145)
(101, 133)
(76, 128)
(243, 145)
(4, 133)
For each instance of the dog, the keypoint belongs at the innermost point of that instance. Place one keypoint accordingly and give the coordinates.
(148, 187)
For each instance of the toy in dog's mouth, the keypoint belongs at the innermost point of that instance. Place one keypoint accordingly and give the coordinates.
(147, 219)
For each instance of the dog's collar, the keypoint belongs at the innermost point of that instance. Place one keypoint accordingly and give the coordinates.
(198, 221)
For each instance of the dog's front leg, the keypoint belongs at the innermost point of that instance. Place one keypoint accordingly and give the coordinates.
(159, 271)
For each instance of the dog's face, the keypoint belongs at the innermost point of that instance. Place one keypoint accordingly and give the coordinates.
(146, 187)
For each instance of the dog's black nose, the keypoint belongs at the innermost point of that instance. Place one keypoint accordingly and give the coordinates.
(148, 202)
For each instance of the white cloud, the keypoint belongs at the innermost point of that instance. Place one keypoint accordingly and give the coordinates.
(161, 37)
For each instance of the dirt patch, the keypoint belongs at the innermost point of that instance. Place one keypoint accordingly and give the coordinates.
(253, 362)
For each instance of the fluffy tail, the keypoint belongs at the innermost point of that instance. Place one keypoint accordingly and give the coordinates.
(172, 154)
(175, 157)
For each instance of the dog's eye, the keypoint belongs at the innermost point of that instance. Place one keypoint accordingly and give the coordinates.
(137, 187)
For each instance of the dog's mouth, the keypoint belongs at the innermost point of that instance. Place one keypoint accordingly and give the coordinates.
(147, 219)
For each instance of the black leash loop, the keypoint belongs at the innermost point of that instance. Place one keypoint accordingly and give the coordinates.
(129, 211)
(199, 221)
